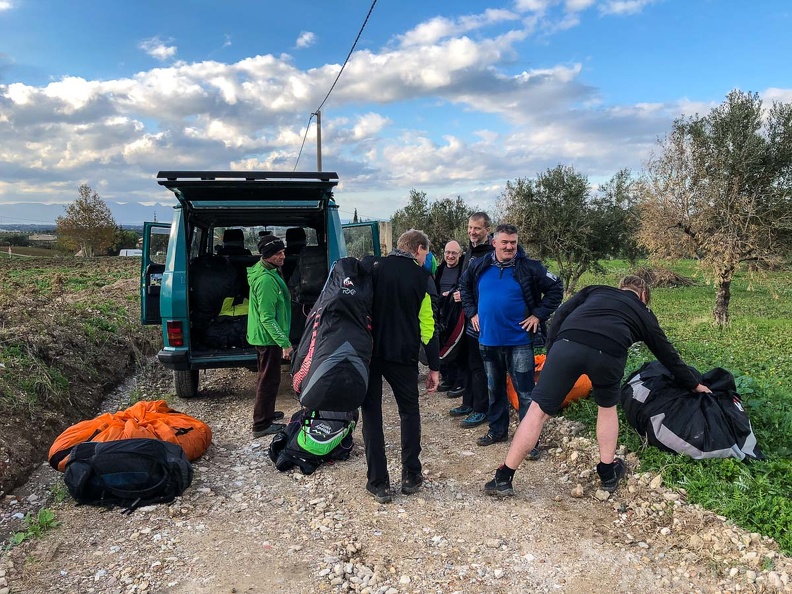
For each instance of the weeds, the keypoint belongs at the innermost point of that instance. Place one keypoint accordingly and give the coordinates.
(34, 526)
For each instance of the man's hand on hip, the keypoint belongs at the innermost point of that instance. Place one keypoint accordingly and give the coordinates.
(530, 324)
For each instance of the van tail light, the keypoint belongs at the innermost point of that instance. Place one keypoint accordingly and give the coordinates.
(175, 334)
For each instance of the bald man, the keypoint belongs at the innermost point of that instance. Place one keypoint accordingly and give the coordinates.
(446, 279)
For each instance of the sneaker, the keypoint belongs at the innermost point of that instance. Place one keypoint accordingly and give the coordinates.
(499, 487)
(461, 411)
(456, 392)
(474, 420)
(489, 439)
(271, 430)
(381, 494)
(534, 453)
(277, 415)
(411, 483)
(444, 387)
(611, 474)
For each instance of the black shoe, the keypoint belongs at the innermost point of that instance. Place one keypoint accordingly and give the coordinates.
(534, 453)
(381, 494)
(411, 483)
(456, 392)
(499, 487)
(444, 387)
(489, 439)
(611, 474)
(277, 415)
(271, 430)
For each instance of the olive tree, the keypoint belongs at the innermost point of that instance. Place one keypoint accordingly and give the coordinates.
(721, 189)
(87, 225)
(441, 220)
(560, 219)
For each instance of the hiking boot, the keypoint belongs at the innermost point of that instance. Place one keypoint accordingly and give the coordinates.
(611, 474)
(411, 483)
(381, 494)
(456, 392)
(271, 430)
(444, 386)
(499, 486)
(474, 420)
(534, 453)
(489, 439)
(461, 411)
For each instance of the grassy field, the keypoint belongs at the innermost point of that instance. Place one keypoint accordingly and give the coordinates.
(69, 331)
(757, 348)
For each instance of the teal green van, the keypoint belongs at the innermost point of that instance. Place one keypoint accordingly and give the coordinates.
(194, 269)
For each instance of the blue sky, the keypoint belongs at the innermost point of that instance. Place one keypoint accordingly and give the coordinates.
(452, 98)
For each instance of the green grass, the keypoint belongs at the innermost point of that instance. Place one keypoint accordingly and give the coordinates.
(757, 348)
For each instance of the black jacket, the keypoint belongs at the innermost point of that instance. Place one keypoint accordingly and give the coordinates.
(443, 267)
(611, 320)
(400, 287)
(542, 291)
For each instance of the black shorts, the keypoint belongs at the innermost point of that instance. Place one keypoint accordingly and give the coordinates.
(565, 363)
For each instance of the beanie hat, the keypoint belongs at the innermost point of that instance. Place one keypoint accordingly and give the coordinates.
(269, 245)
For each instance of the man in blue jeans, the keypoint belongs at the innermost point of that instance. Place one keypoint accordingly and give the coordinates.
(508, 297)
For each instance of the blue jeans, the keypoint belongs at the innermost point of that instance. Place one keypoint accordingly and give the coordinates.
(518, 362)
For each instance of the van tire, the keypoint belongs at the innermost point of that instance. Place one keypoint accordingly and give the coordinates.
(186, 383)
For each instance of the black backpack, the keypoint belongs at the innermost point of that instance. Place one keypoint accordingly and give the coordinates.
(312, 438)
(128, 472)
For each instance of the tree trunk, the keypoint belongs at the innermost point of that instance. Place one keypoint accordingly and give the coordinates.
(722, 298)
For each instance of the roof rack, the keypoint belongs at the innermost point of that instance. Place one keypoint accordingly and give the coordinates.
(248, 175)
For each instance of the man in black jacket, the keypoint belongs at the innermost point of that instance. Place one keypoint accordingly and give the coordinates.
(475, 398)
(590, 335)
(446, 280)
(402, 318)
(508, 297)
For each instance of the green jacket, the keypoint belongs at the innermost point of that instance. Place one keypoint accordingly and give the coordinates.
(269, 317)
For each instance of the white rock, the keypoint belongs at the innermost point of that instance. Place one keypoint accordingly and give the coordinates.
(404, 580)
(656, 482)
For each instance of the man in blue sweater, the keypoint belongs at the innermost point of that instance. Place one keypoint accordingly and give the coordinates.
(507, 297)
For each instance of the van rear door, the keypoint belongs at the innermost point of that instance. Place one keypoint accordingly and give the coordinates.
(155, 246)
(364, 239)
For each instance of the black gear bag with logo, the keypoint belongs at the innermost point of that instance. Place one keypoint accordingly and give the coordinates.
(127, 472)
(330, 367)
(312, 438)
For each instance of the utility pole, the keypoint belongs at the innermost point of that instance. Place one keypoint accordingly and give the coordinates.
(318, 115)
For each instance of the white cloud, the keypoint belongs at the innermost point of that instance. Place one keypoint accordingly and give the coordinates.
(6, 5)
(440, 28)
(619, 7)
(305, 39)
(157, 48)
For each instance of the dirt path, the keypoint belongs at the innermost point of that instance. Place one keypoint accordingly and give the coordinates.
(245, 527)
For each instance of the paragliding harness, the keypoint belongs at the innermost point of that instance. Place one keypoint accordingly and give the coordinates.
(312, 438)
(330, 365)
(701, 426)
(128, 472)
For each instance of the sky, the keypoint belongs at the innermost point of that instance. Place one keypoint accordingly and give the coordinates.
(447, 98)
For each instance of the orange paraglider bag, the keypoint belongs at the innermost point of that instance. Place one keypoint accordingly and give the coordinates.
(581, 389)
(144, 419)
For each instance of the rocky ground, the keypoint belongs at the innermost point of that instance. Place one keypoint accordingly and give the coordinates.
(245, 527)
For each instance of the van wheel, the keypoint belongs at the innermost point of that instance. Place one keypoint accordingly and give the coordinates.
(186, 383)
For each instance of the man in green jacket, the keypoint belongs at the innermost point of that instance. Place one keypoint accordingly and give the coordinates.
(269, 319)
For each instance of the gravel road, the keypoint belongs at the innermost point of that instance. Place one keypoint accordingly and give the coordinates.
(245, 527)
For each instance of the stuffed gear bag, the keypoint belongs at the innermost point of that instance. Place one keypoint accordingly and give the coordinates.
(127, 472)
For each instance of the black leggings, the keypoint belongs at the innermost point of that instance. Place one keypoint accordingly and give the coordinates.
(565, 363)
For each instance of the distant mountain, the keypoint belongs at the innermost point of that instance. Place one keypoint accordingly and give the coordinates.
(37, 216)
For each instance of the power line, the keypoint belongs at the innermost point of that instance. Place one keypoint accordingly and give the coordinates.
(349, 55)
